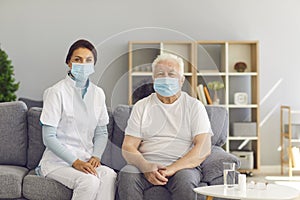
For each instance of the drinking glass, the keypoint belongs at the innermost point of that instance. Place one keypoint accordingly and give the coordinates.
(229, 174)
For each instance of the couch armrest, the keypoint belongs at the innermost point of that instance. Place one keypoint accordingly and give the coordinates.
(212, 167)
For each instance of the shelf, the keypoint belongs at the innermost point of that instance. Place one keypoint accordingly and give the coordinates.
(243, 106)
(219, 105)
(286, 136)
(187, 74)
(242, 74)
(208, 73)
(242, 138)
(150, 74)
(141, 73)
(211, 74)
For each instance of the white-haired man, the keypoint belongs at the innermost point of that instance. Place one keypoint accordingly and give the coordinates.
(167, 137)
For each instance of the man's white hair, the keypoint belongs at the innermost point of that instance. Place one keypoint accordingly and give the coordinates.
(168, 56)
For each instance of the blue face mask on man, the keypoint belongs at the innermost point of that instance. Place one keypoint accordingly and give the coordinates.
(82, 71)
(166, 86)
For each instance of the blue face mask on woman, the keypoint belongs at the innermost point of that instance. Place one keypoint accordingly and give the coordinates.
(82, 71)
(166, 86)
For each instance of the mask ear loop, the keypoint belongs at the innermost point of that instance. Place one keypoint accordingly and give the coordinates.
(182, 79)
(71, 75)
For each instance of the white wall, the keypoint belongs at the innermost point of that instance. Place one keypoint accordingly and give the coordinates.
(37, 34)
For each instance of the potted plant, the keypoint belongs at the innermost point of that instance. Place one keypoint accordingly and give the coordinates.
(8, 87)
(215, 86)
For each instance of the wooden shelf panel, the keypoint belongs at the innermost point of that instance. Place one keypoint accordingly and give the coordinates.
(150, 74)
(211, 74)
(141, 73)
(242, 138)
(187, 74)
(216, 73)
(242, 73)
(243, 106)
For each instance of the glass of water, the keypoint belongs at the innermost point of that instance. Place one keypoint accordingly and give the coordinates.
(229, 174)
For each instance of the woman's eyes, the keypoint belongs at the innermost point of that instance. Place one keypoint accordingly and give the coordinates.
(79, 60)
(89, 60)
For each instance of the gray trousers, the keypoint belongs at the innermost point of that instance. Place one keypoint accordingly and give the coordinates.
(132, 183)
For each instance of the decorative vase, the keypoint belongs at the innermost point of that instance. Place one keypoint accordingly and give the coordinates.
(240, 66)
(216, 100)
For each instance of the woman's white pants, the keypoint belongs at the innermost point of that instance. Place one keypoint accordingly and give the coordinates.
(87, 186)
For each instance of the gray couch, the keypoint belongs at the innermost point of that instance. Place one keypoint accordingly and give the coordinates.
(21, 148)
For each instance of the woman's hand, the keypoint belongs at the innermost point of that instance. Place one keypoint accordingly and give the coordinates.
(94, 161)
(85, 167)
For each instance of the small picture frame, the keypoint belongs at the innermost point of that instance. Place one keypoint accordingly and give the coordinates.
(240, 98)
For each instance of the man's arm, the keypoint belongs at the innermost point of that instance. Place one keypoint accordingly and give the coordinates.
(131, 154)
(193, 158)
(134, 157)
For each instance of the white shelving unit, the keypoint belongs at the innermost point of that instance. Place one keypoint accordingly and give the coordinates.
(215, 62)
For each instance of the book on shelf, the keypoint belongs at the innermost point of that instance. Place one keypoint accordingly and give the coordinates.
(199, 93)
(202, 94)
(209, 101)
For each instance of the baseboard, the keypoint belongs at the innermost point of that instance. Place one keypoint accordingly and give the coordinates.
(270, 169)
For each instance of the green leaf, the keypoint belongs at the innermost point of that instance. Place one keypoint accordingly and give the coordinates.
(8, 86)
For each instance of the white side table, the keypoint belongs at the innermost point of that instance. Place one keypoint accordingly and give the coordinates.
(272, 192)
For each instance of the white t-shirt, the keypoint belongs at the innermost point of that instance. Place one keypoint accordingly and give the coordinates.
(167, 130)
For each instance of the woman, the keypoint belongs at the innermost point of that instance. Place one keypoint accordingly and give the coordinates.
(74, 120)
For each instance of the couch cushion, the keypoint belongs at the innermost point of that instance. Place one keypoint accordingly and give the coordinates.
(121, 115)
(31, 103)
(106, 157)
(218, 117)
(11, 178)
(13, 133)
(37, 187)
(35, 141)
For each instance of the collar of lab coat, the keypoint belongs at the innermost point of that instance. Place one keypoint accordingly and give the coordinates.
(72, 82)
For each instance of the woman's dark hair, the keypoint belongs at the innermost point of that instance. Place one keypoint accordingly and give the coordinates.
(81, 44)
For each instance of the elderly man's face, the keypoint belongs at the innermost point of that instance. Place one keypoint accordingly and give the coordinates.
(167, 68)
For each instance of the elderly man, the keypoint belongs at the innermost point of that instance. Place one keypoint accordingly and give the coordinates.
(167, 137)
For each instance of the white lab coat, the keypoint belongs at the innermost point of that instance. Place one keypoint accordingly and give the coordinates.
(75, 119)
